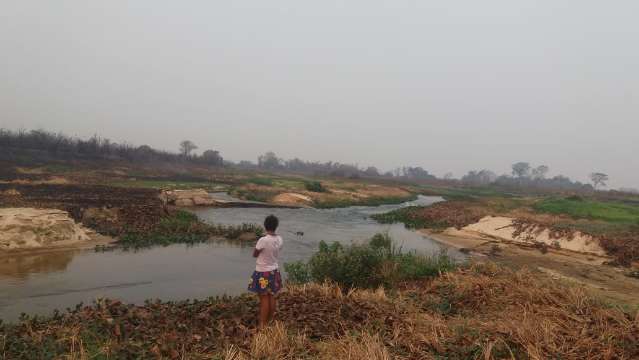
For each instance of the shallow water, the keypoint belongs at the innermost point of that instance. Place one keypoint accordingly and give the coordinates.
(38, 284)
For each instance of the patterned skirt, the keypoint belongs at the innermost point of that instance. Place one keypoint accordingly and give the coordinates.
(265, 282)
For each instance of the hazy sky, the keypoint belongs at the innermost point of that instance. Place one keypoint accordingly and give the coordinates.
(447, 85)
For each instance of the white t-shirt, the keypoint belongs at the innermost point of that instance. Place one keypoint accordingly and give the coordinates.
(270, 246)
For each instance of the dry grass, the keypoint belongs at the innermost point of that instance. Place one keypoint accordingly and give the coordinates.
(479, 312)
(364, 347)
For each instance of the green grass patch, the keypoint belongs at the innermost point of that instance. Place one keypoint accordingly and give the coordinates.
(290, 184)
(264, 181)
(373, 264)
(579, 208)
(168, 184)
(465, 193)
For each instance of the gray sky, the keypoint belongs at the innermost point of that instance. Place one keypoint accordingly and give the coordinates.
(447, 85)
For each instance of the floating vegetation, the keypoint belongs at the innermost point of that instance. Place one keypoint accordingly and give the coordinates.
(183, 227)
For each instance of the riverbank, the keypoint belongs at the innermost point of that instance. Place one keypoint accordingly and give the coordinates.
(607, 282)
(510, 231)
(482, 311)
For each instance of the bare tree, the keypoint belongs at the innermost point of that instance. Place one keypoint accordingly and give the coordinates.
(269, 161)
(540, 172)
(521, 170)
(598, 179)
(186, 147)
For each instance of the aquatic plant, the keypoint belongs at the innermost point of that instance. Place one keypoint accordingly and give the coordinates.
(378, 262)
(480, 311)
(183, 227)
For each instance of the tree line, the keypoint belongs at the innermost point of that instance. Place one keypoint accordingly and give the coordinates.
(270, 161)
(524, 175)
(41, 145)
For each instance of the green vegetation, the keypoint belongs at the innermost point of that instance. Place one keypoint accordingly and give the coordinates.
(185, 228)
(479, 311)
(410, 218)
(315, 186)
(376, 263)
(580, 208)
(264, 181)
(168, 184)
(463, 193)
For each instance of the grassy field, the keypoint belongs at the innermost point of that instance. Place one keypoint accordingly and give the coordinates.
(580, 208)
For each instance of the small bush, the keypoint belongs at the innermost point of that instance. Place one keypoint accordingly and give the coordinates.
(261, 181)
(373, 264)
(315, 186)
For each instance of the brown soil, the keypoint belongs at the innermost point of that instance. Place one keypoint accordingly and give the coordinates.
(108, 210)
(455, 214)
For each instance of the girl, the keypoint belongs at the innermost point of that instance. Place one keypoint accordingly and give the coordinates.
(266, 280)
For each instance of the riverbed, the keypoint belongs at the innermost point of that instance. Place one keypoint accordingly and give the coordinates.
(39, 284)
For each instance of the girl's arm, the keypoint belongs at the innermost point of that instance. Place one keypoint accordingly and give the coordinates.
(256, 252)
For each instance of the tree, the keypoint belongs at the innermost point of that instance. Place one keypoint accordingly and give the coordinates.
(186, 147)
(212, 157)
(269, 161)
(598, 179)
(521, 170)
(371, 171)
(448, 176)
(540, 172)
(482, 177)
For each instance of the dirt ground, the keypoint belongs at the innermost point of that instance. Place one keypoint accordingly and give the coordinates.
(608, 282)
(107, 210)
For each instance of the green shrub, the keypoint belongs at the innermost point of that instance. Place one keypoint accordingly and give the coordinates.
(183, 227)
(373, 264)
(261, 181)
(315, 186)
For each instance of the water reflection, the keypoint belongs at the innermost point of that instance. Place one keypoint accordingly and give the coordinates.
(22, 266)
(38, 284)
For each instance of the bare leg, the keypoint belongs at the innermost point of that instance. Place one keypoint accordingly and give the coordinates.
(265, 305)
(272, 307)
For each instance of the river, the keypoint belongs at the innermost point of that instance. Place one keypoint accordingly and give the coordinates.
(38, 284)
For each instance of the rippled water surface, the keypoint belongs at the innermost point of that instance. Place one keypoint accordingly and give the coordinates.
(38, 284)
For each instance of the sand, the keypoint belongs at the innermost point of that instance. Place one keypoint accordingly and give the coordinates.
(293, 199)
(29, 228)
(579, 268)
(501, 228)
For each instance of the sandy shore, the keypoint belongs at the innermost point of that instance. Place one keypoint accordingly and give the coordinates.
(588, 270)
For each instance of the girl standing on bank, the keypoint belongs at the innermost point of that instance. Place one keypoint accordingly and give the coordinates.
(266, 281)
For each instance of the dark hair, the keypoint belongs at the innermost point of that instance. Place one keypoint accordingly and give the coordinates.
(271, 223)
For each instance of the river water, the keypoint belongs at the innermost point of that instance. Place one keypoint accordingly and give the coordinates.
(38, 284)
